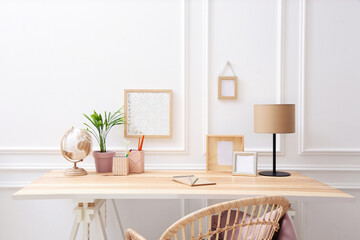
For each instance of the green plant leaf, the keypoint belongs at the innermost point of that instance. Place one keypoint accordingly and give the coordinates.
(104, 125)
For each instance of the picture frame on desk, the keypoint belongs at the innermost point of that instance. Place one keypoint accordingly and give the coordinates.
(219, 151)
(244, 164)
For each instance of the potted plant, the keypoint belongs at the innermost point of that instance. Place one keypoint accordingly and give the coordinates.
(100, 129)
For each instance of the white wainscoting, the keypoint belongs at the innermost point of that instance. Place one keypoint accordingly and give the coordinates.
(210, 79)
(342, 85)
(41, 123)
(183, 45)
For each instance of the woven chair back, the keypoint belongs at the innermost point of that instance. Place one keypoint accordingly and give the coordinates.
(244, 219)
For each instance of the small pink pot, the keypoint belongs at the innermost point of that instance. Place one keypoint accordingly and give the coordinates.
(103, 161)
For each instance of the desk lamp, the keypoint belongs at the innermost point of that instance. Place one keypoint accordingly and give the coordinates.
(274, 118)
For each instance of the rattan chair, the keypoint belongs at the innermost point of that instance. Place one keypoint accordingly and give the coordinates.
(244, 219)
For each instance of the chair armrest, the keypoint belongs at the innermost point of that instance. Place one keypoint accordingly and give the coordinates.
(131, 234)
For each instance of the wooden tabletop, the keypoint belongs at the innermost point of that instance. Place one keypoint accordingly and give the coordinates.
(159, 185)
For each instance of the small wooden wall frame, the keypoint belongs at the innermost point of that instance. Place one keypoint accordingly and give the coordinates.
(227, 87)
(143, 107)
(219, 146)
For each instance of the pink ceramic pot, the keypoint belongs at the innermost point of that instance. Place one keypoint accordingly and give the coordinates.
(103, 161)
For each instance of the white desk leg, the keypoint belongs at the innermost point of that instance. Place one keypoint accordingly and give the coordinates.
(100, 225)
(118, 218)
(87, 217)
(103, 212)
(86, 231)
(85, 212)
(77, 221)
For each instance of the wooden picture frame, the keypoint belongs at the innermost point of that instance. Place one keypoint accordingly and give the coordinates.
(244, 164)
(227, 87)
(142, 107)
(222, 146)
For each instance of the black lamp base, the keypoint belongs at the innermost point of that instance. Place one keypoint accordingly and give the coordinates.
(277, 174)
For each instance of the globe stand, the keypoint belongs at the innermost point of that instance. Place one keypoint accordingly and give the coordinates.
(75, 171)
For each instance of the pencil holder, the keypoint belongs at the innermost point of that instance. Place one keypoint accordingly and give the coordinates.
(120, 166)
(136, 161)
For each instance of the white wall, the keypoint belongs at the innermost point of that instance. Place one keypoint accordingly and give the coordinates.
(60, 59)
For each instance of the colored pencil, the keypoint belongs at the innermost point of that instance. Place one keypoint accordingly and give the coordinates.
(142, 141)
(128, 153)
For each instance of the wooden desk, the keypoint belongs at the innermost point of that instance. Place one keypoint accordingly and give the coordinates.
(159, 185)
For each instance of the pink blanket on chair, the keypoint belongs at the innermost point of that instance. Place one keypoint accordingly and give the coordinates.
(286, 231)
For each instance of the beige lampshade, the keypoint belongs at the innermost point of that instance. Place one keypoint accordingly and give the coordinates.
(274, 118)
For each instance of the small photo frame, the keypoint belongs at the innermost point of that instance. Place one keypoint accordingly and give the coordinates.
(244, 164)
(219, 151)
(227, 87)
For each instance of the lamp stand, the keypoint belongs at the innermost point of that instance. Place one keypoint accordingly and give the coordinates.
(274, 173)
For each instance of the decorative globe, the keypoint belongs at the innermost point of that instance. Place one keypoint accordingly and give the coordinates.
(76, 145)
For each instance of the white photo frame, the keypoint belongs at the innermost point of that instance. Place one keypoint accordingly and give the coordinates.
(148, 112)
(244, 164)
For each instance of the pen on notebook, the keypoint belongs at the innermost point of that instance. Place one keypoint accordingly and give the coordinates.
(194, 181)
(190, 180)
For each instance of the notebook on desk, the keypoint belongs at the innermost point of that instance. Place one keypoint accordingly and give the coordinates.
(192, 180)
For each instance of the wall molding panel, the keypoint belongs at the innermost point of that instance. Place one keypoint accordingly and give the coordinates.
(302, 100)
(15, 150)
(7, 167)
(205, 71)
(12, 185)
(280, 49)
